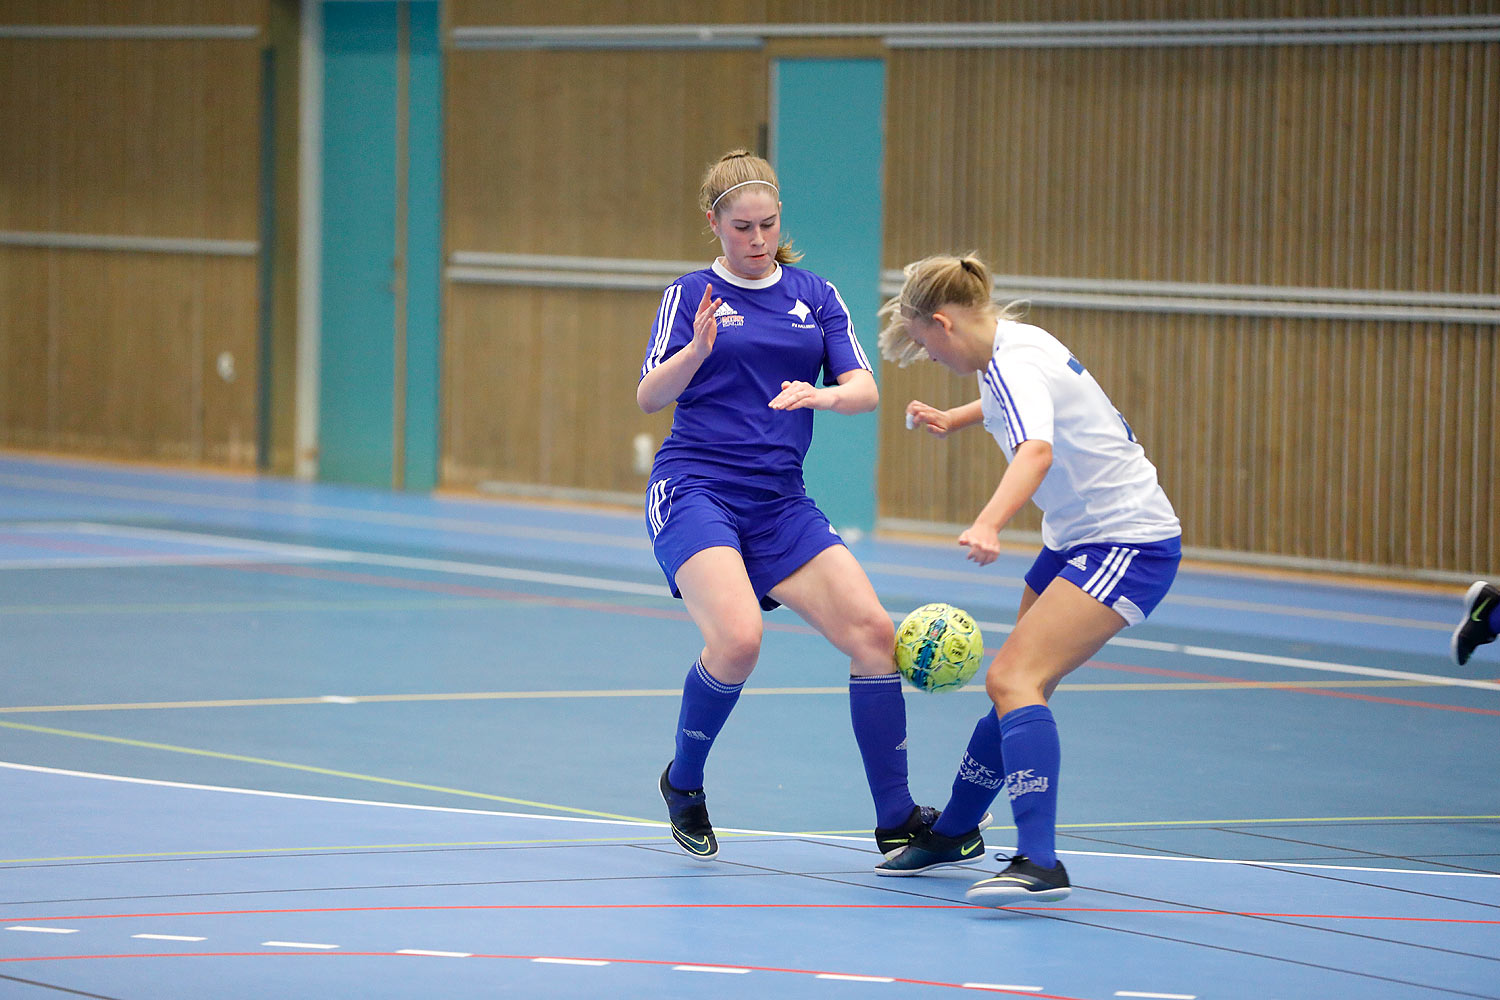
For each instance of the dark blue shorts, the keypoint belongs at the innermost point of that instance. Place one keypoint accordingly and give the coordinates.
(774, 533)
(1129, 578)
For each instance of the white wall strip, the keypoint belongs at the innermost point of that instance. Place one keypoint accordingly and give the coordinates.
(309, 242)
(1246, 31)
(551, 271)
(141, 244)
(554, 271)
(1238, 300)
(131, 32)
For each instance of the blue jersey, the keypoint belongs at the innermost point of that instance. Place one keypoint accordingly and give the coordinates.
(791, 326)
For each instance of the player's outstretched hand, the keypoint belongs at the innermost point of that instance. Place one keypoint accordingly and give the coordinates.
(801, 396)
(983, 544)
(705, 326)
(933, 420)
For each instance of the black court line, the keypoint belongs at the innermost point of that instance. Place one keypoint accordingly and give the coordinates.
(1356, 850)
(1073, 919)
(57, 989)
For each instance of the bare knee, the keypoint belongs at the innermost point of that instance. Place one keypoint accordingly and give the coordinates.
(872, 645)
(1010, 686)
(731, 652)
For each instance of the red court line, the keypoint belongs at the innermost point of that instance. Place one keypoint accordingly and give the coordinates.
(748, 906)
(1321, 692)
(528, 958)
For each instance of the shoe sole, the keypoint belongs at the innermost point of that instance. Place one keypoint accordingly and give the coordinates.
(985, 822)
(1009, 895)
(905, 872)
(1475, 589)
(687, 847)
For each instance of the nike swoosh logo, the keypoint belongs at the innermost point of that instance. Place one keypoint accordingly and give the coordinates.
(971, 847)
(1481, 612)
(697, 843)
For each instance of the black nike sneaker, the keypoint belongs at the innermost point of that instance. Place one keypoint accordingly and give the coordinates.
(688, 812)
(890, 841)
(1021, 882)
(928, 850)
(1474, 630)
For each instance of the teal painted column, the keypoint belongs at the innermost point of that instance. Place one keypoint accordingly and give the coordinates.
(424, 247)
(356, 408)
(828, 148)
(382, 244)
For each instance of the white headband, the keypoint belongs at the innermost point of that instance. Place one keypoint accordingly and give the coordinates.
(740, 185)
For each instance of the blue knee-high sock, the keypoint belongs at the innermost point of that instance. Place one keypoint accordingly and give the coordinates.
(1033, 757)
(878, 712)
(980, 775)
(1494, 619)
(706, 704)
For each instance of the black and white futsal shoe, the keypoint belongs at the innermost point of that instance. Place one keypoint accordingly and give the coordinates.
(928, 850)
(688, 812)
(1021, 882)
(1474, 630)
(890, 841)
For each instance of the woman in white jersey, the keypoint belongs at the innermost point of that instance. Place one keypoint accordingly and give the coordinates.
(1111, 546)
(739, 347)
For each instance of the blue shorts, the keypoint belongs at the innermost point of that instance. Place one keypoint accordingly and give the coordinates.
(1130, 579)
(774, 533)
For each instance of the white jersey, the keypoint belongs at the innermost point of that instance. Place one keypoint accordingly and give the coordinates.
(1101, 486)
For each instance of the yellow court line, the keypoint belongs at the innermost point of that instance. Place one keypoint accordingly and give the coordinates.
(662, 693)
(122, 741)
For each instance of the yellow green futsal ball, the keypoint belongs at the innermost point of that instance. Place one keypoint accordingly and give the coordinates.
(938, 647)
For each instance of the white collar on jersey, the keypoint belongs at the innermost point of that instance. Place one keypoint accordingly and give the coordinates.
(734, 279)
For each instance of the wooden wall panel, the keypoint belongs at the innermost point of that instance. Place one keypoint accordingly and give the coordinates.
(539, 384)
(111, 351)
(117, 354)
(544, 393)
(1339, 441)
(1350, 167)
(529, 172)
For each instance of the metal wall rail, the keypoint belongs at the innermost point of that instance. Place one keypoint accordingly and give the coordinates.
(552, 271)
(141, 244)
(1238, 300)
(131, 32)
(1121, 34)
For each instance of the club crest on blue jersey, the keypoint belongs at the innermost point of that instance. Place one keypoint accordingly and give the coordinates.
(726, 316)
(799, 309)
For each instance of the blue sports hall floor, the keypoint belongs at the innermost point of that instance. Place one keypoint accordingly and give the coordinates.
(268, 739)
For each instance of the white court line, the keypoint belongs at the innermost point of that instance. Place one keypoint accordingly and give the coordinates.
(435, 954)
(1157, 996)
(167, 937)
(297, 944)
(853, 979)
(710, 968)
(834, 838)
(654, 590)
(1002, 986)
(570, 961)
(43, 930)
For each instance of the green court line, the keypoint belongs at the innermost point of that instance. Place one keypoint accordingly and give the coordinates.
(657, 693)
(143, 744)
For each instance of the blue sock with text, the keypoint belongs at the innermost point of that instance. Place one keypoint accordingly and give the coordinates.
(1033, 758)
(706, 704)
(878, 711)
(980, 775)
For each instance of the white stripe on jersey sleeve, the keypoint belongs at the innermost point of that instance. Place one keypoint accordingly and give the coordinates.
(665, 316)
(859, 352)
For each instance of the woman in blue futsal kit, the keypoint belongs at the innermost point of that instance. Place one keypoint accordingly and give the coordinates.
(1111, 549)
(739, 347)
